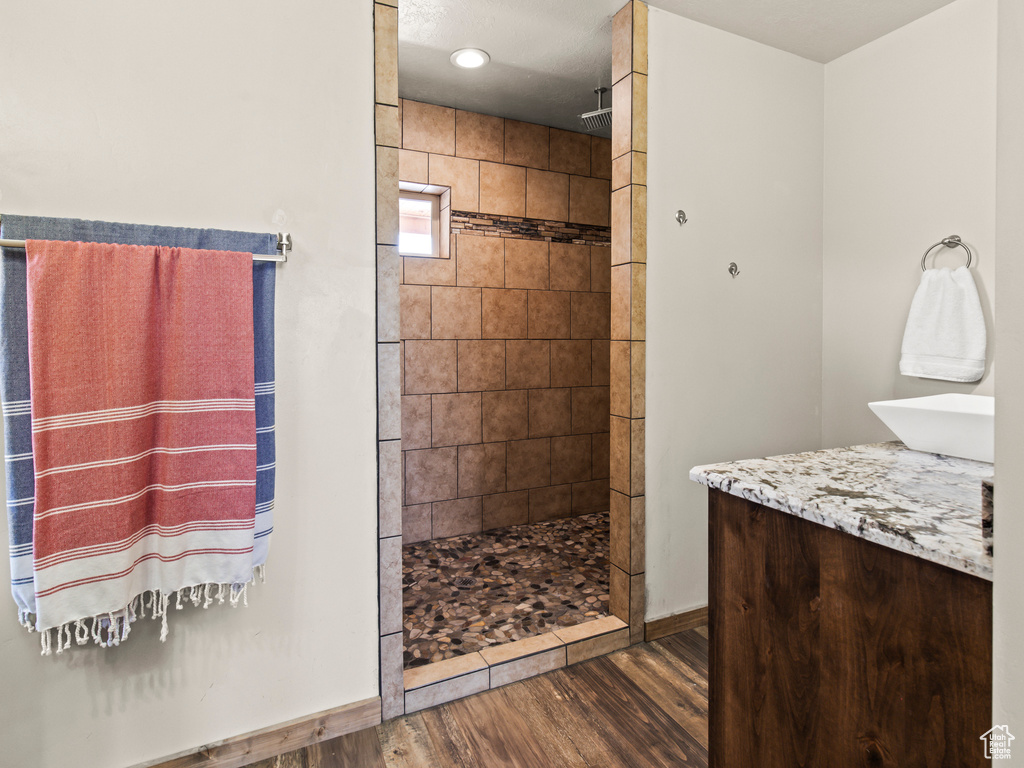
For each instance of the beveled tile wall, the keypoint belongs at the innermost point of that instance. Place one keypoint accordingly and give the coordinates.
(628, 324)
(505, 344)
(388, 131)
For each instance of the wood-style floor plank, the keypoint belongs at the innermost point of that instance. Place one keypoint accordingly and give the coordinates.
(645, 735)
(641, 707)
(656, 676)
(405, 743)
(361, 749)
(549, 732)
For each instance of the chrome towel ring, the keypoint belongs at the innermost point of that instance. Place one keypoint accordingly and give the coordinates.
(950, 242)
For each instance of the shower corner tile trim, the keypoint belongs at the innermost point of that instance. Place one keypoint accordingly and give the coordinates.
(387, 131)
(629, 311)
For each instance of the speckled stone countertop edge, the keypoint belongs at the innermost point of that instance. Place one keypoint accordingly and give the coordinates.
(733, 478)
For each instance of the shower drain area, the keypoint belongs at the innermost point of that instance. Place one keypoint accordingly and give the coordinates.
(469, 592)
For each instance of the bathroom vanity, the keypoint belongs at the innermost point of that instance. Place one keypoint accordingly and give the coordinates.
(850, 610)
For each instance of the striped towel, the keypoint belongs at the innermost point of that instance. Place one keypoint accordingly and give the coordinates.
(143, 424)
(15, 389)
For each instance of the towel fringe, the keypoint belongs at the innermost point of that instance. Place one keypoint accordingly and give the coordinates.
(111, 629)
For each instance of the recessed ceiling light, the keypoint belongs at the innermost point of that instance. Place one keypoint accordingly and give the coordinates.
(469, 58)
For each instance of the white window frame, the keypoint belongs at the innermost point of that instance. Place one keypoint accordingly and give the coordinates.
(435, 223)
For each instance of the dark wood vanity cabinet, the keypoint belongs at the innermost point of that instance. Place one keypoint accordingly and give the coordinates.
(828, 650)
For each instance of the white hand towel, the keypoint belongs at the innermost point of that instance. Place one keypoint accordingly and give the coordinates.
(945, 335)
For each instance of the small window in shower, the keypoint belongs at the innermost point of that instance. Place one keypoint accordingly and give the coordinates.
(419, 224)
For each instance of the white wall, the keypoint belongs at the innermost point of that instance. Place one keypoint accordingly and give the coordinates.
(217, 115)
(1008, 673)
(733, 365)
(909, 159)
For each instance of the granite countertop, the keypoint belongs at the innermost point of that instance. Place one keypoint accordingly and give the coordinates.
(923, 504)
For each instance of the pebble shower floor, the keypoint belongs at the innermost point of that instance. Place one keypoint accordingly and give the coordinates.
(469, 592)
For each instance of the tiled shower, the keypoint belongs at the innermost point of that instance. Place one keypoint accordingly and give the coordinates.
(505, 382)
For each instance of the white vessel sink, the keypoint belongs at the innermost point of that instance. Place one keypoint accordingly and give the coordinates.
(953, 424)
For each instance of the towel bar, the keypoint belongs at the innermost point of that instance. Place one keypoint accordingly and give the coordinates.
(284, 244)
(950, 242)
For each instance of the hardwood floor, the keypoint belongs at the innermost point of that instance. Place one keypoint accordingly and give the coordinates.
(641, 707)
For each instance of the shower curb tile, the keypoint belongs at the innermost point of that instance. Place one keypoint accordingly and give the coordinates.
(596, 646)
(442, 671)
(529, 646)
(447, 690)
(590, 629)
(528, 666)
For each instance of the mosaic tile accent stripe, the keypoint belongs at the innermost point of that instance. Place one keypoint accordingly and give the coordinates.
(469, 593)
(467, 222)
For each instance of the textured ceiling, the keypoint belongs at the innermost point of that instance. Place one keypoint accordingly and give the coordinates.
(547, 56)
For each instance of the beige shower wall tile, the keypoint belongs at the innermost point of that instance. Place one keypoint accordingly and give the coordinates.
(529, 364)
(526, 263)
(481, 365)
(454, 312)
(619, 452)
(481, 469)
(526, 144)
(389, 392)
(392, 694)
(601, 157)
(637, 606)
(622, 116)
(638, 102)
(636, 457)
(504, 509)
(640, 13)
(600, 268)
(390, 585)
(630, 168)
(430, 366)
(415, 422)
(547, 195)
(428, 128)
(570, 267)
(481, 261)
(629, 302)
(416, 523)
(502, 189)
(431, 475)
(622, 43)
(388, 299)
(385, 54)
(413, 166)
(479, 137)
(389, 487)
(589, 201)
(456, 517)
(628, 523)
(387, 196)
(415, 311)
(620, 377)
(387, 126)
(569, 151)
(462, 175)
(455, 419)
(417, 270)
(638, 379)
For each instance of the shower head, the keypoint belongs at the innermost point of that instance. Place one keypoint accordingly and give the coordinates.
(599, 118)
